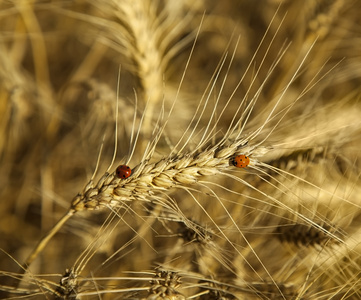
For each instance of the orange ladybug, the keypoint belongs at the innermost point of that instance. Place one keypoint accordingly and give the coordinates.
(123, 171)
(241, 161)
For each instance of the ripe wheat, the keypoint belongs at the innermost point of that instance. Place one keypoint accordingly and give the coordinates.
(200, 83)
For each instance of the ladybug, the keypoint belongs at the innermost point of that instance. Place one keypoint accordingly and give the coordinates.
(241, 161)
(123, 171)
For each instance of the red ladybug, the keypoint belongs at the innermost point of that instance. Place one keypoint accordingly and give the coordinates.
(241, 161)
(123, 171)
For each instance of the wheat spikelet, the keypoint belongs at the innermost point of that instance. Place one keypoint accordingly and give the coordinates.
(164, 286)
(165, 174)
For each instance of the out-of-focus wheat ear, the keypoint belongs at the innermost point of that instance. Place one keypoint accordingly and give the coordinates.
(144, 30)
(325, 16)
(305, 235)
(147, 41)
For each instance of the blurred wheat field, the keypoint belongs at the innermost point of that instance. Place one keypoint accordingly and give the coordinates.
(177, 90)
